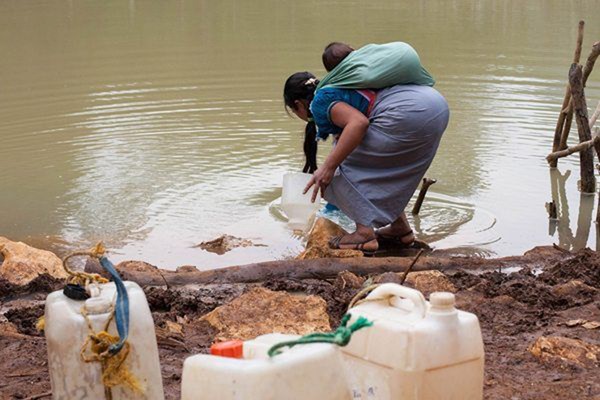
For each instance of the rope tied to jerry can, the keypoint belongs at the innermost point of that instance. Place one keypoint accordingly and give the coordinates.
(110, 350)
(341, 336)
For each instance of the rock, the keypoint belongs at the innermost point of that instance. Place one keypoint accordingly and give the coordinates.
(566, 350)
(347, 279)
(129, 269)
(388, 277)
(317, 245)
(225, 243)
(187, 268)
(23, 263)
(426, 282)
(575, 293)
(261, 311)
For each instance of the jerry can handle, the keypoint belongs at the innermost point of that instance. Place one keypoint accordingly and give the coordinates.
(390, 291)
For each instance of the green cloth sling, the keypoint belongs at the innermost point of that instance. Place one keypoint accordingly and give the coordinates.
(376, 66)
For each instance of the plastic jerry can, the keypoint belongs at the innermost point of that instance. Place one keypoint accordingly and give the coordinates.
(66, 331)
(312, 371)
(415, 350)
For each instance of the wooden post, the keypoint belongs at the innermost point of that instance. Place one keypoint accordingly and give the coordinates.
(587, 70)
(564, 111)
(424, 187)
(588, 183)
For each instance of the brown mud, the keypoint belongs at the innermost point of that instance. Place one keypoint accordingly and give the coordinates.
(514, 310)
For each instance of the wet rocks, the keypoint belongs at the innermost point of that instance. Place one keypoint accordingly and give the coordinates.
(130, 269)
(317, 245)
(22, 264)
(225, 243)
(261, 311)
(563, 350)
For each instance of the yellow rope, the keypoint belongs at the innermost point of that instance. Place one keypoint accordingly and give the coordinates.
(96, 346)
(80, 277)
(96, 349)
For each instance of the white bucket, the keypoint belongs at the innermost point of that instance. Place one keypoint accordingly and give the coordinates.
(415, 350)
(297, 206)
(66, 330)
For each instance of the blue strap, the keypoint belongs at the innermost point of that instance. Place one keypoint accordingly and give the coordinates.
(121, 306)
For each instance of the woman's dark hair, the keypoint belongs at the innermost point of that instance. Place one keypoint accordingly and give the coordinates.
(301, 86)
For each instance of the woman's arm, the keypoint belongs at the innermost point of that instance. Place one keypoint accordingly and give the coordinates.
(354, 125)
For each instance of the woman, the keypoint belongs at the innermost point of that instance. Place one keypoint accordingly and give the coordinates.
(384, 144)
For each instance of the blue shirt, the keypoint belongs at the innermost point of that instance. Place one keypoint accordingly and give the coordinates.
(325, 99)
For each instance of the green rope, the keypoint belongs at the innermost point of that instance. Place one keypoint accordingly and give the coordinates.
(341, 336)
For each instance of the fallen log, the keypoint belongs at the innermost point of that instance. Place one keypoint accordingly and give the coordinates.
(325, 268)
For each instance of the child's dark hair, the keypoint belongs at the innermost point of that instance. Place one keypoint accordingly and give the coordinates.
(334, 53)
(301, 86)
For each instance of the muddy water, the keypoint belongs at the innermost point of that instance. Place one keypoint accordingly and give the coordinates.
(156, 125)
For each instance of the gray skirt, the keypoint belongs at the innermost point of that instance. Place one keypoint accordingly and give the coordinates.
(375, 182)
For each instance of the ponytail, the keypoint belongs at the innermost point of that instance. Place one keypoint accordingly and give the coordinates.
(310, 148)
(302, 86)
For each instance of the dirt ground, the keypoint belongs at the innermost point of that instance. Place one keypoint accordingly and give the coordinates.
(513, 309)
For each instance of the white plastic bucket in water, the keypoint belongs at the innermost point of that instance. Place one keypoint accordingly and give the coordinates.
(297, 206)
(415, 350)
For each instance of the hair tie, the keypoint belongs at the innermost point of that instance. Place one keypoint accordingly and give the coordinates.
(311, 82)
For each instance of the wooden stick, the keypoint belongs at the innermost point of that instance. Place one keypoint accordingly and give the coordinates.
(560, 124)
(424, 187)
(591, 60)
(412, 264)
(574, 149)
(587, 70)
(588, 181)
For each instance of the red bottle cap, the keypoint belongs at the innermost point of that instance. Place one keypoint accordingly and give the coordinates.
(231, 349)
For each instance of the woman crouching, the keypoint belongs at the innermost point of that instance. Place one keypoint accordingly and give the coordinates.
(384, 142)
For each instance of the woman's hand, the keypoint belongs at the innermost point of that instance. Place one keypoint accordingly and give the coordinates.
(354, 125)
(320, 180)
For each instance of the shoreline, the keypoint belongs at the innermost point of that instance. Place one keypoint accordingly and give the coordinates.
(546, 289)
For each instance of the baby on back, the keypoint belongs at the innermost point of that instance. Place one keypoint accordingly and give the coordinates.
(334, 53)
(373, 66)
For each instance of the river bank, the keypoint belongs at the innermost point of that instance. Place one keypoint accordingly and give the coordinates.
(540, 323)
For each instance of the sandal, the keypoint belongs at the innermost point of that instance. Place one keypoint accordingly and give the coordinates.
(396, 241)
(368, 247)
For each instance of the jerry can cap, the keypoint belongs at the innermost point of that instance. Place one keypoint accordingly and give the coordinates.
(230, 348)
(442, 299)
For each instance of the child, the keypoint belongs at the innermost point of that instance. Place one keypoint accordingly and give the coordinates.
(334, 53)
(374, 66)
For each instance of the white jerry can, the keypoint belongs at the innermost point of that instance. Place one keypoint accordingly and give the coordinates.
(415, 350)
(310, 371)
(66, 331)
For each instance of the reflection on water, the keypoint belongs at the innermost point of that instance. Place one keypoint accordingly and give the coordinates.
(561, 228)
(157, 125)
